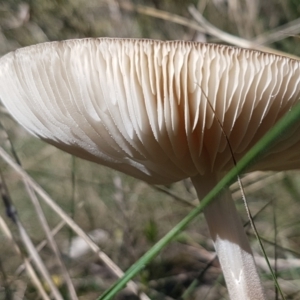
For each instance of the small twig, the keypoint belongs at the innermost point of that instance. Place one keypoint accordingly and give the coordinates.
(174, 196)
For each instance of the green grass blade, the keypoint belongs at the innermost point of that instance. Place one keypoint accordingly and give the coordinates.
(290, 119)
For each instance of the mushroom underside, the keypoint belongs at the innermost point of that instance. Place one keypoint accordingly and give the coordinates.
(161, 112)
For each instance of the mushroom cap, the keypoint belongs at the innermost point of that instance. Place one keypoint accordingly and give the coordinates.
(153, 109)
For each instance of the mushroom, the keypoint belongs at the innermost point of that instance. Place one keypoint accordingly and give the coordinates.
(161, 112)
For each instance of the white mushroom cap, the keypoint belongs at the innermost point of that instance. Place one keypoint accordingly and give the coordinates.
(141, 106)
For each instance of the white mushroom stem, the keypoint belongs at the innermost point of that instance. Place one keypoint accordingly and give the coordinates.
(231, 243)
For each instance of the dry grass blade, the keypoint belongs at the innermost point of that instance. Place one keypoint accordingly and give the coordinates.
(160, 14)
(204, 27)
(27, 242)
(43, 243)
(47, 230)
(38, 261)
(51, 240)
(231, 39)
(282, 263)
(27, 264)
(279, 33)
(47, 199)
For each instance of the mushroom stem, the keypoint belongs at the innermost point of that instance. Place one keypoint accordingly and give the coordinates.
(231, 243)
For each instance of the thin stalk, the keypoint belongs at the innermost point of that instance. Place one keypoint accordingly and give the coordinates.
(231, 243)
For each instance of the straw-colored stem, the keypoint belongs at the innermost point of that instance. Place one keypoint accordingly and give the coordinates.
(231, 243)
